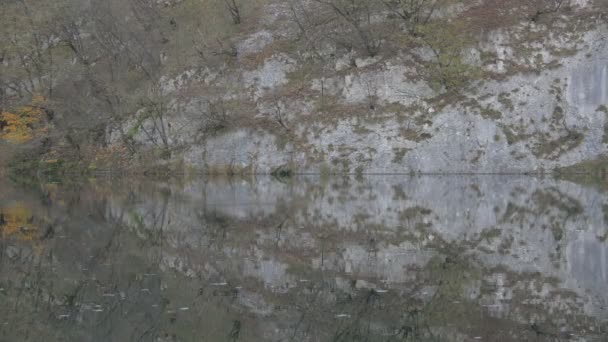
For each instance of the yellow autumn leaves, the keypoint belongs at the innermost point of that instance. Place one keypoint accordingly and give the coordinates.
(17, 220)
(23, 124)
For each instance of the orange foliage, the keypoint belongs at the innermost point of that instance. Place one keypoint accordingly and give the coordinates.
(18, 222)
(23, 125)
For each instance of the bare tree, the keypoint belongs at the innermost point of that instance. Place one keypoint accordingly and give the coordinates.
(310, 25)
(70, 34)
(549, 6)
(234, 9)
(358, 15)
(216, 117)
(30, 45)
(151, 120)
(413, 12)
(206, 50)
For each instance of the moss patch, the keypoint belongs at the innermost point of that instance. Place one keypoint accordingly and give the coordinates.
(400, 152)
(604, 110)
(504, 99)
(552, 149)
(592, 173)
(490, 113)
(514, 134)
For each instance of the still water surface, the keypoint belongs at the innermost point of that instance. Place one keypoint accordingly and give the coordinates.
(391, 258)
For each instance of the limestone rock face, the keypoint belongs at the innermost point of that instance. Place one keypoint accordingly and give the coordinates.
(354, 114)
(239, 151)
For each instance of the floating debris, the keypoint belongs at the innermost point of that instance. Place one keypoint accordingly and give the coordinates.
(63, 316)
(184, 309)
(381, 291)
(145, 290)
(218, 284)
(109, 295)
(96, 307)
(343, 316)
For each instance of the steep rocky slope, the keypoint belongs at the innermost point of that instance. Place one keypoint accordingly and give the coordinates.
(317, 86)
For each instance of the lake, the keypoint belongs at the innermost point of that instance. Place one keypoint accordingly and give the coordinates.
(310, 258)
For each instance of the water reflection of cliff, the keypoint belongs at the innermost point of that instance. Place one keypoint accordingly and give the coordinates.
(381, 258)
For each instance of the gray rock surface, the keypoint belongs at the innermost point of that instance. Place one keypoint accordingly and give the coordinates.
(377, 116)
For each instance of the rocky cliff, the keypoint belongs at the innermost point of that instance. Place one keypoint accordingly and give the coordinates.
(354, 87)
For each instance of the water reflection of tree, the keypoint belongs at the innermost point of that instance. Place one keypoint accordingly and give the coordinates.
(47, 287)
